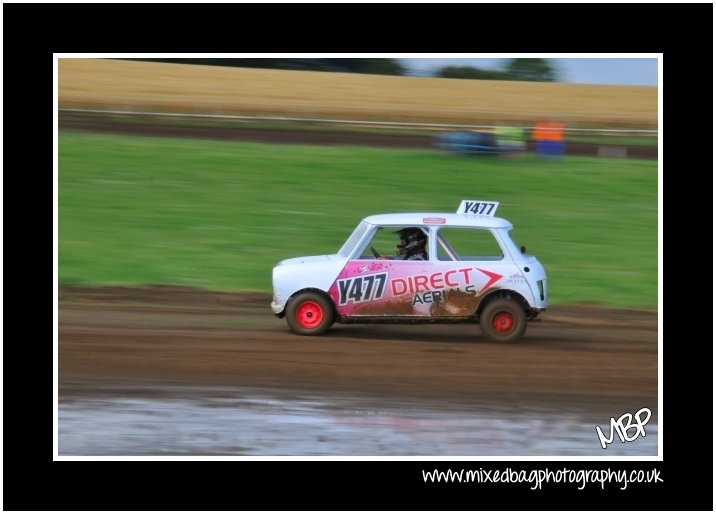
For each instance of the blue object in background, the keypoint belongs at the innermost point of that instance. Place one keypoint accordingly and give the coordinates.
(550, 148)
(468, 143)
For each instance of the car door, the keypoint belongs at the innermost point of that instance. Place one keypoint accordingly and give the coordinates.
(384, 288)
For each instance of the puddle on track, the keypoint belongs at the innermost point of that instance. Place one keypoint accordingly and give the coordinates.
(250, 422)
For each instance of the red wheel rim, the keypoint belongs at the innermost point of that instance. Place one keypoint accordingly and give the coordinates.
(309, 314)
(503, 321)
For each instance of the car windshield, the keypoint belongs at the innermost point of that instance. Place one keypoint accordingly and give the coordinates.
(350, 244)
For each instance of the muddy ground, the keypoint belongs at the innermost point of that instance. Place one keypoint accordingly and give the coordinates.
(603, 360)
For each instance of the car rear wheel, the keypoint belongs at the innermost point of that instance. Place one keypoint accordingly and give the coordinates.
(503, 321)
(309, 314)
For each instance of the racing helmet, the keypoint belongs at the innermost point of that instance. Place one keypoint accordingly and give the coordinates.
(412, 241)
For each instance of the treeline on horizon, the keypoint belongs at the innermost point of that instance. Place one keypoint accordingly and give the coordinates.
(525, 69)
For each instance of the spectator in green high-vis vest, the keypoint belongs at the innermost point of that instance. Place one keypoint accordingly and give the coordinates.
(510, 139)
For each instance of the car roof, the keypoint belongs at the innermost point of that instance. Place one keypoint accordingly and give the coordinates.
(437, 219)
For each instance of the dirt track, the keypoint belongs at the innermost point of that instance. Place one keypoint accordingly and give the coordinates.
(602, 359)
(313, 137)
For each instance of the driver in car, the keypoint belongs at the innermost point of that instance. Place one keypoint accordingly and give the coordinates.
(412, 245)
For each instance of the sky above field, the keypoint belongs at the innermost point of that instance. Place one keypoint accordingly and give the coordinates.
(624, 71)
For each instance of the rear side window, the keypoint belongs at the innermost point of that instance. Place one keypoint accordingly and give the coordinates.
(467, 244)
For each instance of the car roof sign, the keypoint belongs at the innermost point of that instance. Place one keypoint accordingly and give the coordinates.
(477, 207)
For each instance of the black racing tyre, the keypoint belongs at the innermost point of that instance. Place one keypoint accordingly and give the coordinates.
(309, 314)
(503, 321)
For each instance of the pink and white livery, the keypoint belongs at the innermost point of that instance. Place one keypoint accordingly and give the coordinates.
(448, 268)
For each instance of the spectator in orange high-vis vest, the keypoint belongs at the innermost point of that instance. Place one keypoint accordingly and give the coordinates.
(549, 138)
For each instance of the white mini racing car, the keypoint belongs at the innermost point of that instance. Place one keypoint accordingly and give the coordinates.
(446, 268)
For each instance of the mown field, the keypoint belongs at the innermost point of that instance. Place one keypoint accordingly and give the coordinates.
(129, 85)
(219, 215)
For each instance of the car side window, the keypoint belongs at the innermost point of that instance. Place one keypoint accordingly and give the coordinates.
(467, 244)
(385, 242)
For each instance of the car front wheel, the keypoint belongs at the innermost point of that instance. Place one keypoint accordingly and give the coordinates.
(503, 321)
(309, 314)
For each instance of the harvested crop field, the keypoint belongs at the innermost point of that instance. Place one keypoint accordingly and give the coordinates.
(131, 85)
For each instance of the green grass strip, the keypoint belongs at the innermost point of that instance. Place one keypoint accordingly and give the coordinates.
(219, 215)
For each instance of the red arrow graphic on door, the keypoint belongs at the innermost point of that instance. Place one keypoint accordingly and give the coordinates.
(493, 277)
